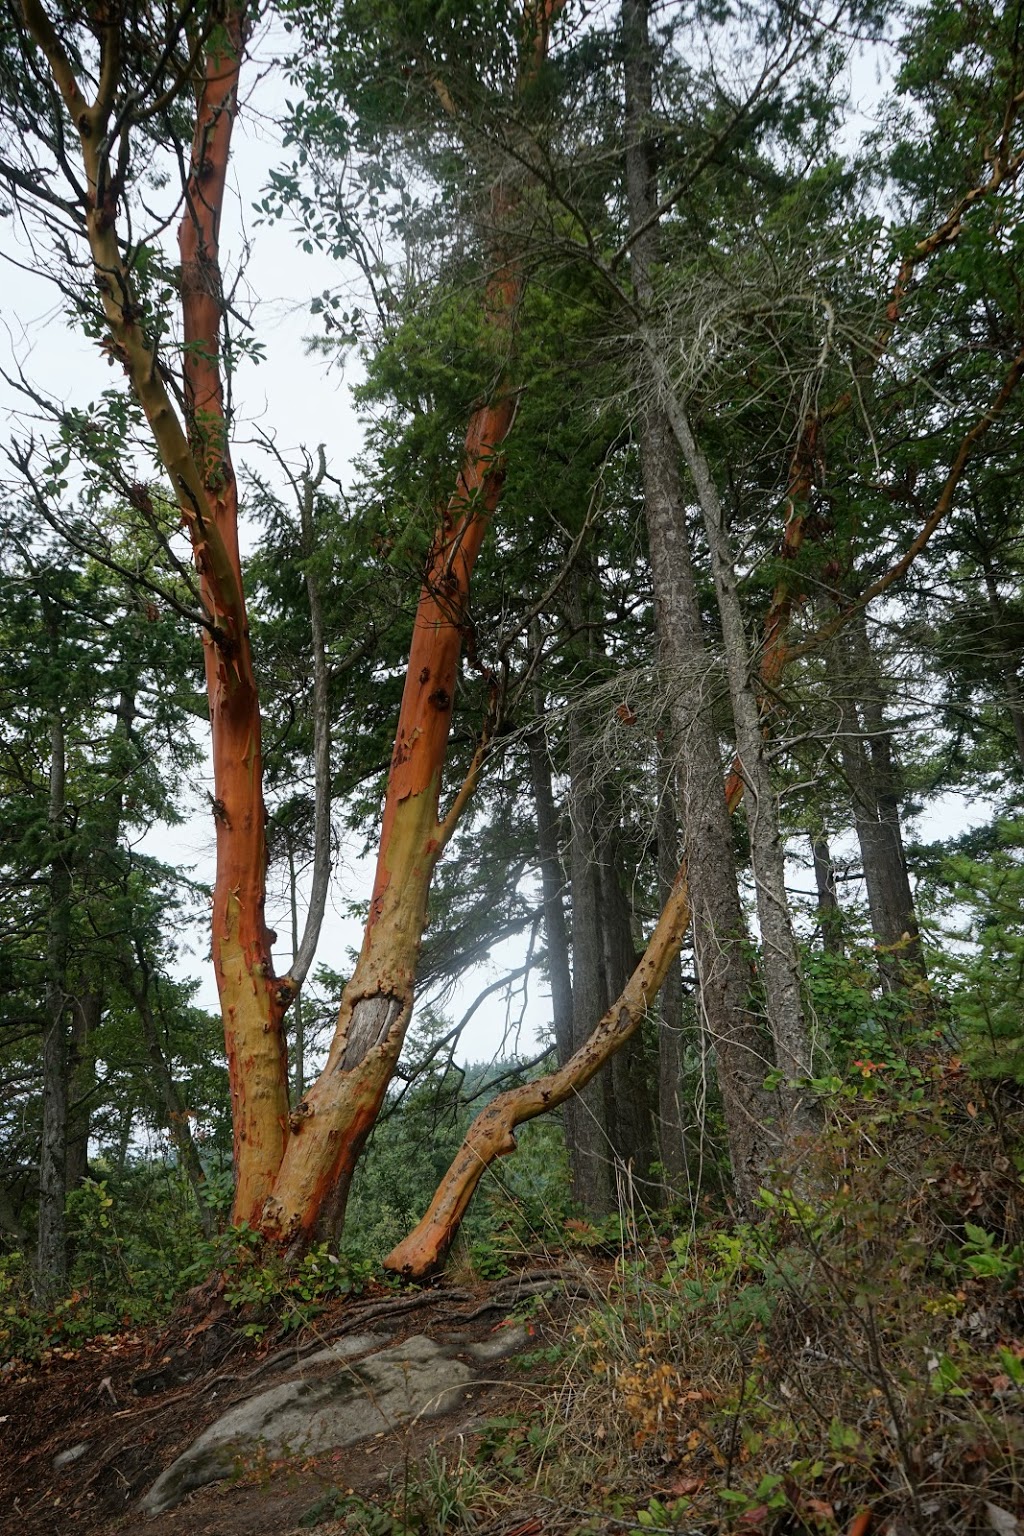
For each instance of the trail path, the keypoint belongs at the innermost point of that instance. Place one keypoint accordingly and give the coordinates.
(218, 1436)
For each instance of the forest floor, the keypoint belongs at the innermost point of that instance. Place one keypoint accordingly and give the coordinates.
(84, 1435)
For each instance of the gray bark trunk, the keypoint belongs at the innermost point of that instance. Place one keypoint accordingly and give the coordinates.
(830, 915)
(298, 1022)
(304, 949)
(1010, 666)
(586, 1132)
(671, 1121)
(719, 933)
(629, 1112)
(552, 878)
(872, 774)
(780, 956)
(718, 928)
(86, 1014)
(51, 1247)
(174, 1108)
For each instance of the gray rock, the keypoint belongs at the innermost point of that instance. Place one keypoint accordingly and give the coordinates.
(417, 1379)
(507, 1341)
(344, 1349)
(72, 1454)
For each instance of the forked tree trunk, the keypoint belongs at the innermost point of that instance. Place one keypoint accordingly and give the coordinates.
(199, 468)
(286, 1190)
(330, 1124)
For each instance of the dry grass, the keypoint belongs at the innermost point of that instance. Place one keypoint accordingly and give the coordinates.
(846, 1367)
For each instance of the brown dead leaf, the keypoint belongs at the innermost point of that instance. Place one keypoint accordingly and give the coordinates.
(680, 1487)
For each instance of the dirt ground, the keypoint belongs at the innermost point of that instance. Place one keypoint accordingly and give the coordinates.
(135, 1401)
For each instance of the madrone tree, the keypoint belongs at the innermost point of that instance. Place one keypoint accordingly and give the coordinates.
(104, 104)
(96, 99)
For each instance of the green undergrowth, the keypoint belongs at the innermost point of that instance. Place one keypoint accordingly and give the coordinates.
(851, 1361)
(138, 1248)
(137, 1244)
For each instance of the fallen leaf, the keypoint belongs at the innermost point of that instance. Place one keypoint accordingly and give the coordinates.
(1001, 1520)
(680, 1487)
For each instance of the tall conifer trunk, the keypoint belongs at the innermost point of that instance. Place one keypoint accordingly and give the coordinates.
(871, 771)
(718, 926)
(51, 1245)
(671, 1124)
(585, 1119)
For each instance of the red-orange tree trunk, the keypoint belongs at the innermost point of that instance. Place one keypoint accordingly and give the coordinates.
(196, 458)
(252, 1003)
(291, 1170)
(330, 1125)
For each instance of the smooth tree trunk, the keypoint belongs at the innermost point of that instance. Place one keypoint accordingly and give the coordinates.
(492, 1133)
(292, 1168)
(330, 1124)
(252, 1001)
(197, 461)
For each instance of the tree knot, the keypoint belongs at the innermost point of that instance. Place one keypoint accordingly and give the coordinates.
(301, 1112)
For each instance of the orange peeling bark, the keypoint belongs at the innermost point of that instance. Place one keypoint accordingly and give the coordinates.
(199, 468)
(252, 1004)
(330, 1126)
